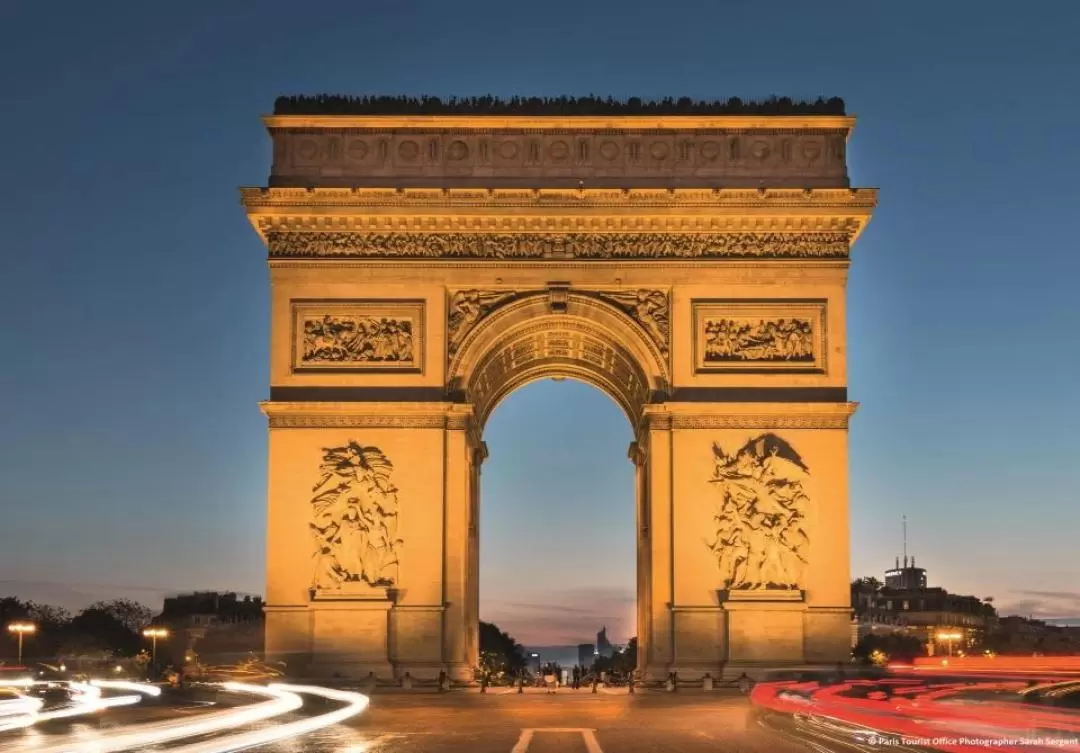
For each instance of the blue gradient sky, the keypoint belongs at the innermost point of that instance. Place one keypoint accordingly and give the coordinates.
(134, 293)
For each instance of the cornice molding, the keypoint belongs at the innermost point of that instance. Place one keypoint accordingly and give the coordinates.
(559, 122)
(563, 198)
(749, 416)
(311, 415)
(496, 224)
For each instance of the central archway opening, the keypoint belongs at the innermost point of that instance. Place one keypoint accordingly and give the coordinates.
(558, 568)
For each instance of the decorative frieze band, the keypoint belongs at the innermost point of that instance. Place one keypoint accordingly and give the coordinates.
(737, 154)
(558, 246)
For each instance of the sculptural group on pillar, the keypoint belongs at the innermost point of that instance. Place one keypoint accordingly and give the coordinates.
(760, 541)
(355, 519)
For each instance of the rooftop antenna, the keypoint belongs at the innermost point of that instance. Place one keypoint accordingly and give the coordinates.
(905, 541)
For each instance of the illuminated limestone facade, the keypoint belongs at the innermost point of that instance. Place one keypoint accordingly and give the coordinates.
(422, 268)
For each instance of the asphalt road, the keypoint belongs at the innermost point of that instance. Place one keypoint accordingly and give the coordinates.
(568, 723)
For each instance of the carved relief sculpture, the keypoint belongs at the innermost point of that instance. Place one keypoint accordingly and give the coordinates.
(760, 541)
(740, 335)
(307, 244)
(358, 335)
(354, 522)
(351, 339)
(467, 307)
(649, 308)
(728, 340)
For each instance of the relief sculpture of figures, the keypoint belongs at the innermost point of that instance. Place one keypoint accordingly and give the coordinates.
(467, 307)
(342, 339)
(761, 541)
(774, 340)
(650, 309)
(355, 519)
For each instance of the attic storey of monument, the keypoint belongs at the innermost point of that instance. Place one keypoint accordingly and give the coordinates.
(424, 266)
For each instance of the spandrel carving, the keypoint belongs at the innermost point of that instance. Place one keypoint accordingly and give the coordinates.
(760, 541)
(467, 308)
(649, 308)
(355, 519)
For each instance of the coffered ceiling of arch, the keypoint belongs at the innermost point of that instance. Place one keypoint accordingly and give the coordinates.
(558, 346)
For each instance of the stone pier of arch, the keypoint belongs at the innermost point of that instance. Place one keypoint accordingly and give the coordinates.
(413, 289)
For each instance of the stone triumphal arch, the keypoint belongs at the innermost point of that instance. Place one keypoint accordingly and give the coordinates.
(423, 266)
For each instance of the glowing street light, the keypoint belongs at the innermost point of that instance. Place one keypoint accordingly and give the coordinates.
(153, 634)
(950, 638)
(21, 629)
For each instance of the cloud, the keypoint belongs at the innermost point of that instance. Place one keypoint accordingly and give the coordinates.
(1044, 605)
(569, 616)
(1063, 595)
(546, 608)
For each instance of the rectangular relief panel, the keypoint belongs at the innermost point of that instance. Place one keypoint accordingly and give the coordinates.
(784, 336)
(361, 336)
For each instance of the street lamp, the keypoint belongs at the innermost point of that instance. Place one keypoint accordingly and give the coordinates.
(153, 634)
(949, 639)
(21, 629)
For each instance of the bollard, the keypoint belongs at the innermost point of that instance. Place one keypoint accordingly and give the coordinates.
(707, 683)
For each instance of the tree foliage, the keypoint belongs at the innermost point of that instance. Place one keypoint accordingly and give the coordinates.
(895, 647)
(107, 628)
(500, 654)
(621, 662)
(131, 614)
(337, 104)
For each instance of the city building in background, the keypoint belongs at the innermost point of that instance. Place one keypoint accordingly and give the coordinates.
(944, 622)
(211, 627)
(603, 645)
(586, 653)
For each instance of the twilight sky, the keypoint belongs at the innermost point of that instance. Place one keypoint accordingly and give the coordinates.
(134, 293)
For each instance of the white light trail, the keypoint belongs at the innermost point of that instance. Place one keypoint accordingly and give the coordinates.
(86, 699)
(356, 703)
(146, 735)
(139, 687)
(20, 705)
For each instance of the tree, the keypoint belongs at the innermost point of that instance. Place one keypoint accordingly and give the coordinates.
(626, 660)
(133, 615)
(500, 654)
(97, 631)
(892, 647)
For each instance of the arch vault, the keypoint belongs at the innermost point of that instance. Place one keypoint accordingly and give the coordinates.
(691, 266)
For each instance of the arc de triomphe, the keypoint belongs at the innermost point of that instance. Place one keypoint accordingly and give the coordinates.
(423, 267)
